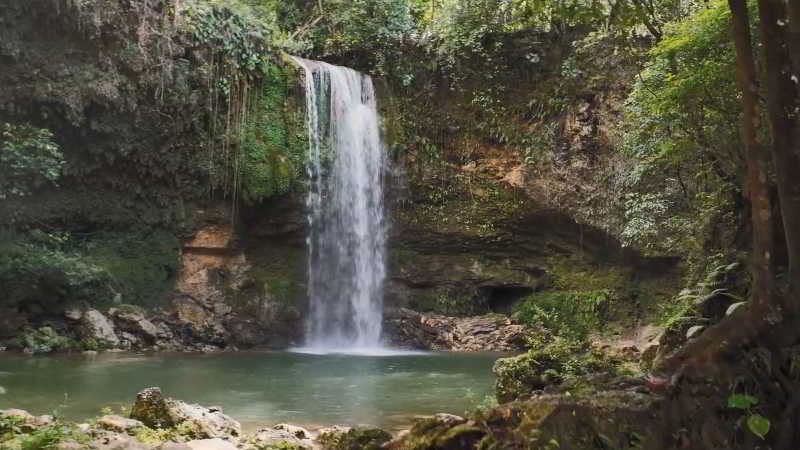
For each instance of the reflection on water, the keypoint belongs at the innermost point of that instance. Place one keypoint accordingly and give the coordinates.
(256, 388)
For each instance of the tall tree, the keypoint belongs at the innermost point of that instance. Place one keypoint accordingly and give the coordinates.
(757, 161)
(782, 97)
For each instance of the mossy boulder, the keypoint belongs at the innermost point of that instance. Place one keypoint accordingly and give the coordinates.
(550, 362)
(354, 439)
(151, 409)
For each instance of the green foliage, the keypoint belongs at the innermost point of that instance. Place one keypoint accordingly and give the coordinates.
(567, 313)
(742, 401)
(9, 426)
(47, 271)
(37, 271)
(29, 160)
(681, 130)
(241, 43)
(756, 423)
(141, 266)
(45, 340)
(273, 146)
(552, 360)
(45, 437)
(450, 301)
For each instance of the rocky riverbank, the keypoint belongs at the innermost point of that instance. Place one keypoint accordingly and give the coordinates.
(158, 423)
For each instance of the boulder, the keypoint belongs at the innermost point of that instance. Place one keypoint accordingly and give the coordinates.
(205, 422)
(74, 314)
(69, 444)
(97, 326)
(210, 444)
(276, 437)
(355, 439)
(116, 441)
(135, 322)
(155, 411)
(29, 422)
(294, 430)
(118, 423)
(151, 409)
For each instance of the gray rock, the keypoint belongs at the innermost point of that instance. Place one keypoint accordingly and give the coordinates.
(694, 331)
(29, 421)
(449, 419)
(207, 422)
(154, 410)
(734, 307)
(174, 446)
(267, 437)
(73, 314)
(113, 441)
(136, 323)
(118, 423)
(98, 327)
(69, 445)
(294, 430)
(151, 409)
(210, 444)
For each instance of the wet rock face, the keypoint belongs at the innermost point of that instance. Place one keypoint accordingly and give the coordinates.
(410, 329)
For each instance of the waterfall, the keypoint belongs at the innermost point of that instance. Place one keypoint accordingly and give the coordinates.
(347, 237)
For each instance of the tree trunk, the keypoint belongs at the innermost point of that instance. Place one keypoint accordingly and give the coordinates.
(757, 161)
(781, 95)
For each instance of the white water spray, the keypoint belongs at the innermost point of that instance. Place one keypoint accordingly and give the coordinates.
(347, 237)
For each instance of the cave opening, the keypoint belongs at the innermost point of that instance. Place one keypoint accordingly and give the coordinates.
(501, 299)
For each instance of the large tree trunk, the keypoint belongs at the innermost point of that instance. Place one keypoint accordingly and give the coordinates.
(757, 161)
(765, 319)
(781, 95)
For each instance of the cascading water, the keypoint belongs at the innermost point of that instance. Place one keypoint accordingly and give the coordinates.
(347, 238)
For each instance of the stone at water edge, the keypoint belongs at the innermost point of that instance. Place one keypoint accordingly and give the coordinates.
(98, 327)
(155, 411)
(269, 437)
(135, 323)
(29, 421)
(114, 422)
(210, 444)
(354, 439)
(151, 409)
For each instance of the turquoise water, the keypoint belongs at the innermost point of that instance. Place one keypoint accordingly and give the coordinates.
(256, 388)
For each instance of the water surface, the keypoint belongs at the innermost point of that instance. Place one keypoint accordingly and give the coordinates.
(256, 388)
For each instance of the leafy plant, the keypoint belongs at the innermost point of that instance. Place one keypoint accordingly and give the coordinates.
(45, 340)
(756, 423)
(29, 160)
(568, 313)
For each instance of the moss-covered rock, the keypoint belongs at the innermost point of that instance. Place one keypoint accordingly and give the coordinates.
(354, 439)
(551, 361)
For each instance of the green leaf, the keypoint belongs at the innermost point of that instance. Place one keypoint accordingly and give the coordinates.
(758, 424)
(742, 401)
